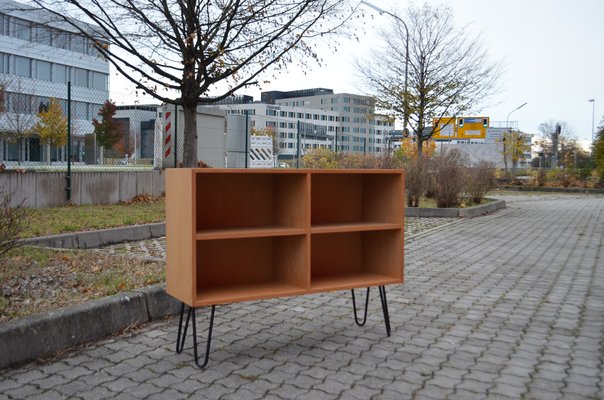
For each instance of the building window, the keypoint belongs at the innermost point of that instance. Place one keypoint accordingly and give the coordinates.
(43, 70)
(346, 109)
(81, 77)
(20, 103)
(60, 73)
(22, 29)
(60, 40)
(78, 44)
(346, 99)
(23, 66)
(3, 63)
(43, 35)
(99, 81)
(3, 25)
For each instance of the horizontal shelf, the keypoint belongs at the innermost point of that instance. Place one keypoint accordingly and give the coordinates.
(244, 233)
(350, 281)
(245, 292)
(354, 227)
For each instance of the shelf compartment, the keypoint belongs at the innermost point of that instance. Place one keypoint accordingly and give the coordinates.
(255, 200)
(240, 233)
(356, 259)
(353, 227)
(357, 198)
(233, 270)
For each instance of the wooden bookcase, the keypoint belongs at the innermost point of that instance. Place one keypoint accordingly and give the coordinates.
(235, 235)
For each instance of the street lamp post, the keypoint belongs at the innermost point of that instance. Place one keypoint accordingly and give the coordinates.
(507, 120)
(382, 11)
(593, 112)
(507, 125)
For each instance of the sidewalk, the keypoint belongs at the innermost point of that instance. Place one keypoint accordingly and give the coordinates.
(509, 305)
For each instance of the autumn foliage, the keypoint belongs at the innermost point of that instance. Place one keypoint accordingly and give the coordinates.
(108, 131)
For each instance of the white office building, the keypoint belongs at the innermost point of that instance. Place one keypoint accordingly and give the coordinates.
(317, 118)
(38, 57)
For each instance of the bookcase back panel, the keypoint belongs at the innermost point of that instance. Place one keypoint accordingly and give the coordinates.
(252, 261)
(336, 198)
(250, 200)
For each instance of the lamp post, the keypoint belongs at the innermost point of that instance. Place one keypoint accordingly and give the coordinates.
(382, 11)
(507, 120)
(507, 125)
(593, 112)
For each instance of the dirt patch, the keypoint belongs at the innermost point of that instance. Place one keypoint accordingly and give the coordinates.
(35, 280)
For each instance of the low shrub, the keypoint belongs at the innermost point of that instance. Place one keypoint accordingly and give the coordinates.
(13, 221)
(479, 180)
(417, 179)
(448, 178)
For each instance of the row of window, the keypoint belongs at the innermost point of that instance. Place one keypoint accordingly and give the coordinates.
(20, 103)
(52, 72)
(291, 114)
(43, 34)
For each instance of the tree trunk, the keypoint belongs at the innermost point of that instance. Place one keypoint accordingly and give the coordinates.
(190, 136)
(48, 154)
(420, 145)
(505, 159)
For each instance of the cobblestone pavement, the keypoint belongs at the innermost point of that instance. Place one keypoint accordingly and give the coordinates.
(155, 249)
(505, 306)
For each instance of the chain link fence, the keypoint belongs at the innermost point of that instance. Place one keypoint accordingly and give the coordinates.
(48, 126)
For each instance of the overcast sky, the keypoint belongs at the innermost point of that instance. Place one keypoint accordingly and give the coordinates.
(553, 51)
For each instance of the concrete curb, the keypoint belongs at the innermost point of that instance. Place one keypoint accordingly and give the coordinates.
(470, 212)
(42, 335)
(553, 189)
(101, 237)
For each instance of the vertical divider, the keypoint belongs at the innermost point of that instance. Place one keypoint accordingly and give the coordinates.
(308, 183)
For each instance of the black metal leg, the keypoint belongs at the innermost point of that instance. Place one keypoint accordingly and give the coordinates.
(205, 362)
(385, 308)
(354, 306)
(180, 339)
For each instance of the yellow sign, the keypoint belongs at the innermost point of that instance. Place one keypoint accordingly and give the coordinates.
(449, 128)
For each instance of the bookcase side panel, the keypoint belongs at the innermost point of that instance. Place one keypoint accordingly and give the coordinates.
(180, 234)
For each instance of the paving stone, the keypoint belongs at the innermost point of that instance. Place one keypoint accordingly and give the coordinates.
(505, 313)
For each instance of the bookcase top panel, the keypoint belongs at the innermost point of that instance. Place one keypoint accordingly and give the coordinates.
(292, 171)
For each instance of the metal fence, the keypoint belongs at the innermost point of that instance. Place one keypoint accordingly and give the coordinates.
(49, 126)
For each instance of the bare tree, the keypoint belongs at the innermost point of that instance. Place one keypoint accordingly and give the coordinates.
(191, 47)
(18, 114)
(563, 145)
(448, 69)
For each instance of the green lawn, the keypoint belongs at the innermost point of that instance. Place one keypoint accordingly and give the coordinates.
(50, 221)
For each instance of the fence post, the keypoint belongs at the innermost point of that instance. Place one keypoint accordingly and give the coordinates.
(68, 176)
(175, 135)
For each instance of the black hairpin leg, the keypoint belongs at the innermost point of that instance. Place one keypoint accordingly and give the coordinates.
(385, 308)
(207, 356)
(180, 339)
(354, 306)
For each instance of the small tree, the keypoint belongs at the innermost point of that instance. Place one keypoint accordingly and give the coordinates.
(52, 127)
(598, 151)
(20, 118)
(514, 146)
(417, 179)
(108, 131)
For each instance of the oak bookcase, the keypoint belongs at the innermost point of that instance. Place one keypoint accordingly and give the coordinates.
(238, 234)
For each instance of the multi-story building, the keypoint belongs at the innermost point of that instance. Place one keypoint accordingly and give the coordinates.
(38, 57)
(317, 118)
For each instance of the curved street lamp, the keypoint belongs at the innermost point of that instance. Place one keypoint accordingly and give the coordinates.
(382, 11)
